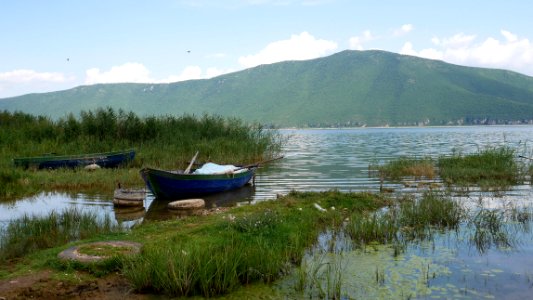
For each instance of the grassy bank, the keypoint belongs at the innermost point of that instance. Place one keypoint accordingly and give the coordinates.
(218, 254)
(162, 142)
(209, 255)
(227, 252)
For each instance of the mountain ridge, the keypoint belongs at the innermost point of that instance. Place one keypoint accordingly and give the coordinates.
(349, 88)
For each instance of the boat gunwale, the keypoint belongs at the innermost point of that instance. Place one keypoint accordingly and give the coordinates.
(180, 176)
(97, 155)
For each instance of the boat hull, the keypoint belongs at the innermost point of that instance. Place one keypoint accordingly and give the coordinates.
(172, 185)
(104, 160)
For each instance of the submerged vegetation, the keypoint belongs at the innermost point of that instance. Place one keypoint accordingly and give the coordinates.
(165, 142)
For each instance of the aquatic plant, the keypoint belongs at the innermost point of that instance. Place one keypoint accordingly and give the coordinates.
(408, 166)
(432, 209)
(492, 167)
(377, 227)
(29, 233)
(490, 230)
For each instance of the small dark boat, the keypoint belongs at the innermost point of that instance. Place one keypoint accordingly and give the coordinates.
(104, 160)
(180, 184)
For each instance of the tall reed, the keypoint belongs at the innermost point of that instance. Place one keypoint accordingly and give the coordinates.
(166, 142)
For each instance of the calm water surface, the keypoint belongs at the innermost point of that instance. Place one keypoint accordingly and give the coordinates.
(319, 160)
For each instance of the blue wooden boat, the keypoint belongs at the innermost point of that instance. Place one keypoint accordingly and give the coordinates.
(179, 185)
(103, 160)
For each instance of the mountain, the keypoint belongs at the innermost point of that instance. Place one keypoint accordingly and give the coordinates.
(349, 88)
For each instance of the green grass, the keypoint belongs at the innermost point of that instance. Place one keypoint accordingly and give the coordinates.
(161, 142)
(410, 219)
(407, 166)
(488, 168)
(218, 254)
(32, 233)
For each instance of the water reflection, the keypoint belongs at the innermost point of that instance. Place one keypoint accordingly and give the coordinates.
(158, 209)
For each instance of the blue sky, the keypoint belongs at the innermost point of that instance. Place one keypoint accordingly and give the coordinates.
(54, 45)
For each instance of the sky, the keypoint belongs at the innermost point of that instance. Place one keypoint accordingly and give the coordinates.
(60, 44)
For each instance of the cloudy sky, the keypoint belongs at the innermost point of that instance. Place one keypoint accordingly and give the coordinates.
(59, 44)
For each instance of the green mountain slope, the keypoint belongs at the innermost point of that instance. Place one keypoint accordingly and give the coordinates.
(348, 88)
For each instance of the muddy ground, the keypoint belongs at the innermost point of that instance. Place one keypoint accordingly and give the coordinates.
(42, 286)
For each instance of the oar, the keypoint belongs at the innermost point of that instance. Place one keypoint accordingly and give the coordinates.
(525, 157)
(258, 164)
(188, 170)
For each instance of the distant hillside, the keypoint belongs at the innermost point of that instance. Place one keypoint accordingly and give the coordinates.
(350, 88)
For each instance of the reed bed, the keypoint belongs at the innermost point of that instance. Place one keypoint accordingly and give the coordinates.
(492, 168)
(408, 166)
(31, 233)
(489, 167)
(165, 142)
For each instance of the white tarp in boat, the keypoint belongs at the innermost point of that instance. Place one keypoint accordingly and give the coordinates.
(212, 168)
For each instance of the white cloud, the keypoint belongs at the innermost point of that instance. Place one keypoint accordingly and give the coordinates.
(457, 41)
(23, 81)
(508, 52)
(128, 72)
(298, 47)
(356, 42)
(138, 73)
(509, 36)
(406, 28)
(28, 76)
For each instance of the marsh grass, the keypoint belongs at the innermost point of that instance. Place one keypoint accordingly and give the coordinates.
(165, 142)
(321, 276)
(493, 167)
(490, 229)
(31, 233)
(433, 209)
(407, 166)
(410, 219)
(376, 227)
(259, 243)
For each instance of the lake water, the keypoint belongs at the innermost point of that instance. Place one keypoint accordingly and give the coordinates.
(318, 160)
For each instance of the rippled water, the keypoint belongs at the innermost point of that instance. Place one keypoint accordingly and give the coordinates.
(339, 159)
(315, 160)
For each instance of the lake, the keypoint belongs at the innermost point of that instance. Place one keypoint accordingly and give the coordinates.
(318, 160)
